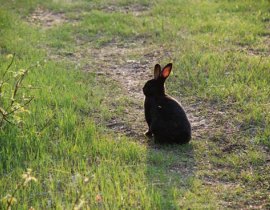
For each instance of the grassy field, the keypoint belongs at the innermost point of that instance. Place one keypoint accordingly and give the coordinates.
(81, 57)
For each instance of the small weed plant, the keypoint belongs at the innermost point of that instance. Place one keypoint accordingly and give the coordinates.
(9, 200)
(13, 98)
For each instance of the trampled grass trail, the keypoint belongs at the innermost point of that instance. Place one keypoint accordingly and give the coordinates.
(83, 134)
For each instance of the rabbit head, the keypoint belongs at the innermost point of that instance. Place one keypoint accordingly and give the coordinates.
(155, 87)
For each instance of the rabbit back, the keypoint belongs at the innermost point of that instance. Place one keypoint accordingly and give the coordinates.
(167, 120)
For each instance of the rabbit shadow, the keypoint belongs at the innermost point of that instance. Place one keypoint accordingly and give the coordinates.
(170, 168)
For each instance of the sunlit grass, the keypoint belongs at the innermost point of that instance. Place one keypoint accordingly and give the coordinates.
(220, 57)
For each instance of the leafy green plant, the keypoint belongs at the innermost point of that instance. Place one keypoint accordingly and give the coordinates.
(13, 102)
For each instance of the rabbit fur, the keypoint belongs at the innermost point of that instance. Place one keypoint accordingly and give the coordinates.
(166, 119)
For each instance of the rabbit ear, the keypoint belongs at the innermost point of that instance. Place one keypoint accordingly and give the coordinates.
(157, 71)
(166, 70)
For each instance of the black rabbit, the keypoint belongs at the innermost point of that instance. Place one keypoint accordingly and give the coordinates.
(166, 119)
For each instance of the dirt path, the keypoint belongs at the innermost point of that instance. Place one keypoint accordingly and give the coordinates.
(131, 65)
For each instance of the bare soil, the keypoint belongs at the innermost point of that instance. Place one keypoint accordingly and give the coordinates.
(134, 9)
(46, 19)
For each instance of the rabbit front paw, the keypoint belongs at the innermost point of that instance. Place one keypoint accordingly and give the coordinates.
(148, 133)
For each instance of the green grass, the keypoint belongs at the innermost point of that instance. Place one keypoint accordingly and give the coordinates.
(220, 55)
